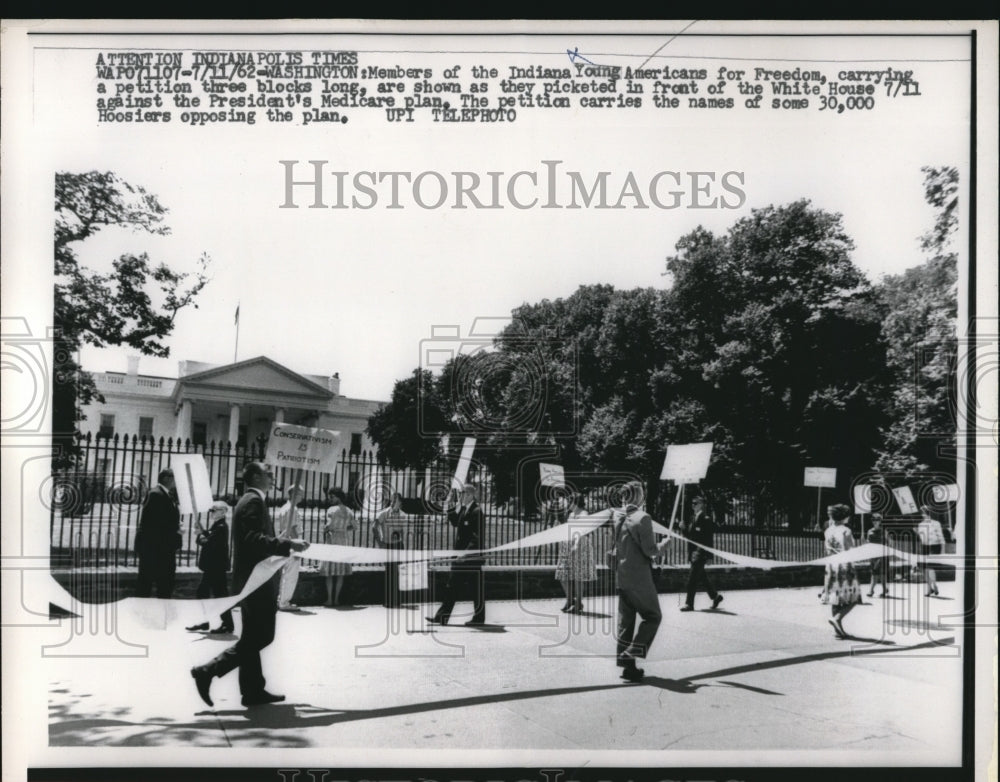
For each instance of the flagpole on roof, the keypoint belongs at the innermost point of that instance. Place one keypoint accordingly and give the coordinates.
(237, 346)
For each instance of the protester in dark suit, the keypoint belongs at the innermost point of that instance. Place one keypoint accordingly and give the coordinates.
(635, 550)
(699, 530)
(253, 541)
(213, 561)
(465, 580)
(158, 538)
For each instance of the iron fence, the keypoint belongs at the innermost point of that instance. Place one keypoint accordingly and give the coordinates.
(95, 506)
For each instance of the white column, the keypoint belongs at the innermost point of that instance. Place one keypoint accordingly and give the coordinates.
(183, 431)
(279, 415)
(234, 433)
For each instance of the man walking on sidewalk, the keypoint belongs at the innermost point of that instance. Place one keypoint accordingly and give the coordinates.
(699, 530)
(253, 541)
(635, 550)
(465, 579)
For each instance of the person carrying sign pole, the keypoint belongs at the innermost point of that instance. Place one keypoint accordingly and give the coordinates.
(465, 579)
(213, 561)
(699, 530)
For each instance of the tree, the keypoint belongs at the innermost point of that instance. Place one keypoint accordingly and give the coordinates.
(777, 354)
(407, 430)
(114, 308)
(920, 330)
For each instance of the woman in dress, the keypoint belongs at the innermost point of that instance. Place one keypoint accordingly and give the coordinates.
(931, 542)
(843, 591)
(339, 522)
(576, 560)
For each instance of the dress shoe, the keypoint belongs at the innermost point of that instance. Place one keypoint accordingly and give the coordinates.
(435, 621)
(475, 623)
(222, 630)
(633, 674)
(625, 660)
(203, 681)
(687, 608)
(566, 607)
(196, 628)
(261, 698)
(716, 601)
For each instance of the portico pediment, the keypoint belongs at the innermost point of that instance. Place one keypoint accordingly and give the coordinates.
(257, 379)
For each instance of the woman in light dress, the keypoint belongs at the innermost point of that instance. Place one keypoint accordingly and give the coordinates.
(576, 560)
(842, 591)
(339, 523)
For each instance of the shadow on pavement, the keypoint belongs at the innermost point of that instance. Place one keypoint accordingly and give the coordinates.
(256, 725)
(760, 690)
(227, 637)
(875, 641)
(818, 657)
(682, 686)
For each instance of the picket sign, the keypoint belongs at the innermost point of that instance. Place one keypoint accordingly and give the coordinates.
(820, 477)
(194, 490)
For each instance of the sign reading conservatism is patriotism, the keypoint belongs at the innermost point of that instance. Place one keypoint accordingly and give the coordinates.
(303, 448)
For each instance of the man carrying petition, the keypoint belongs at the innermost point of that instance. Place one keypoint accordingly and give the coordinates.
(635, 550)
(253, 541)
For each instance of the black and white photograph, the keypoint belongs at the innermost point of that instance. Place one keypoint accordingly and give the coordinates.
(555, 401)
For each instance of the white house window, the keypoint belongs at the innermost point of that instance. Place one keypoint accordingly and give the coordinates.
(355, 443)
(107, 429)
(146, 426)
(199, 433)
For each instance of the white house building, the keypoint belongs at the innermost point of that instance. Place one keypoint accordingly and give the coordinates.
(233, 403)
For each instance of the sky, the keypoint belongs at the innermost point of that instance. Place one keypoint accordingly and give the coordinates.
(359, 292)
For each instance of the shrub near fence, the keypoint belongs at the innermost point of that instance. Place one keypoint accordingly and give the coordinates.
(95, 507)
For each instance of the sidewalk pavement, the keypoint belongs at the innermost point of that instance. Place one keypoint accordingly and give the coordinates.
(763, 672)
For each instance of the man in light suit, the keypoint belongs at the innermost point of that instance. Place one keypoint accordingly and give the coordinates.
(158, 538)
(253, 541)
(465, 579)
(635, 550)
